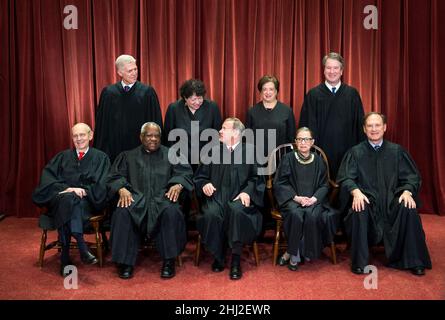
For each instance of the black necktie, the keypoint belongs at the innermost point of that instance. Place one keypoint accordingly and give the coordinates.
(376, 148)
(127, 88)
(333, 90)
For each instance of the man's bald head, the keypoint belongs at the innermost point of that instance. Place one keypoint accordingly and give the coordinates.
(82, 135)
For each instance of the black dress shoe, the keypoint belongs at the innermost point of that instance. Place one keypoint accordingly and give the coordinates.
(235, 272)
(418, 271)
(168, 269)
(282, 261)
(125, 271)
(62, 268)
(357, 270)
(293, 267)
(88, 258)
(217, 266)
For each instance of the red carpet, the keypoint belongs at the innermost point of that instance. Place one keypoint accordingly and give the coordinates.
(20, 277)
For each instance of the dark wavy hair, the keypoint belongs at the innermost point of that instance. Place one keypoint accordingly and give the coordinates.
(192, 86)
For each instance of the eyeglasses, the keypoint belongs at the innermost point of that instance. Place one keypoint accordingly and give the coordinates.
(196, 99)
(306, 140)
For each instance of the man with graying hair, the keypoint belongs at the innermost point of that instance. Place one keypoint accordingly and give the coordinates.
(382, 182)
(73, 187)
(147, 187)
(231, 191)
(123, 108)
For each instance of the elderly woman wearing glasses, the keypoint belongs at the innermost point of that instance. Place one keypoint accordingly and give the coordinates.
(301, 189)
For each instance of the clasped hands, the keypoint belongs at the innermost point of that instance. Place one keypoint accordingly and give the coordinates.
(305, 201)
(209, 189)
(80, 192)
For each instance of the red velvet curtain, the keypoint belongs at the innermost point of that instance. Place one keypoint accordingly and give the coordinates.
(51, 77)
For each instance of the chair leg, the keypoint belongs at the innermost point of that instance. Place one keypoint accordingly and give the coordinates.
(99, 243)
(333, 253)
(179, 260)
(255, 252)
(276, 243)
(42, 247)
(198, 250)
(105, 242)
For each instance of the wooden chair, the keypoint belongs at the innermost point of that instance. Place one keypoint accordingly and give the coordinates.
(273, 162)
(46, 223)
(198, 242)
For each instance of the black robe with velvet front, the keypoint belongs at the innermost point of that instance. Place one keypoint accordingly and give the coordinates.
(335, 119)
(281, 118)
(179, 116)
(148, 176)
(120, 116)
(66, 170)
(234, 173)
(382, 176)
(318, 225)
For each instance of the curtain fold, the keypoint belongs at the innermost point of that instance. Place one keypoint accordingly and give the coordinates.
(51, 77)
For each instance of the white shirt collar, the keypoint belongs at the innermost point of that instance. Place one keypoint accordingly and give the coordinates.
(330, 87)
(374, 145)
(128, 85)
(233, 146)
(85, 152)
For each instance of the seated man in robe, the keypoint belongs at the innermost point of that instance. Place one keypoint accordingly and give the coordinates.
(148, 186)
(301, 189)
(73, 187)
(384, 183)
(231, 192)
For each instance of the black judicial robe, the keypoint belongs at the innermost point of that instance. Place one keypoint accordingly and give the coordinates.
(235, 173)
(120, 116)
(281, 118)
(335, 119)
(148, 176)
(293, 178)
(179, 116)
(382, 176)
(66, 170)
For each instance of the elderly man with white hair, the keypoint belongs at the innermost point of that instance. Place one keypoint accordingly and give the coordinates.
(123, 108)
(73, 187)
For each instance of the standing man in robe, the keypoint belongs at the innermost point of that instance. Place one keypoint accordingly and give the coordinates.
(383, 181)
(148, 183)
(333, 111)
(73, 187)
(123, 108)
(231, 192)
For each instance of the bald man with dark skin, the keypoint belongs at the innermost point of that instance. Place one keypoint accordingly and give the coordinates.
(147, 185)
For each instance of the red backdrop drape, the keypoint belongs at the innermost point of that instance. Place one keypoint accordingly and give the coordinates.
(51, 78)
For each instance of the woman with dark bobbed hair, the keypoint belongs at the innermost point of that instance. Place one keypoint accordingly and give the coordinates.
(270, 114)
(192, 106)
